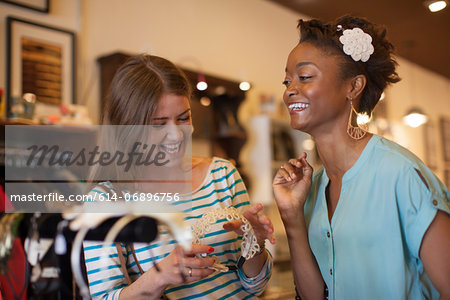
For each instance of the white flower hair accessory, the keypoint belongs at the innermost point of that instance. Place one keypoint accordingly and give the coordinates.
(357, 43)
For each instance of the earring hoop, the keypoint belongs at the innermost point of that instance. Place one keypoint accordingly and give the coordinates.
(355, 132)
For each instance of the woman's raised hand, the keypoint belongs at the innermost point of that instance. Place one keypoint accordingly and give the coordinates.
(261, 224)
(291, 186)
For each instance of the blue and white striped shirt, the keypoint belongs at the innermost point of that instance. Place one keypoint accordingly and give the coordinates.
(221, 188)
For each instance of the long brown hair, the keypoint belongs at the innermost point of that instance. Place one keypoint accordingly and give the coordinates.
(138, 86)
(134, 95)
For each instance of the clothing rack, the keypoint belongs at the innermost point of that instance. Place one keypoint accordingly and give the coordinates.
(140, 230)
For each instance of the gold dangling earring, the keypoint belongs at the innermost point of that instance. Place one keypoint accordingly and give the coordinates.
(355, 132)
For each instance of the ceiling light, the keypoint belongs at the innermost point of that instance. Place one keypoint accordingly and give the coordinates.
(244, 86)
(202, 85)
(220, 90)
(201, 82)
(415, 117)
(205, 101)
(435, 6)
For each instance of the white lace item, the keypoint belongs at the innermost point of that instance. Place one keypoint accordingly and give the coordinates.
(357, 43)
(249, 244)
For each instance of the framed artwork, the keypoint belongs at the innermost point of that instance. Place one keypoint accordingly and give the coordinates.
(38, 5)
(40, 60)
(445, 133)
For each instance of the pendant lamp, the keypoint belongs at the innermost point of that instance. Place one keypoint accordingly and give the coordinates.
(415, 117)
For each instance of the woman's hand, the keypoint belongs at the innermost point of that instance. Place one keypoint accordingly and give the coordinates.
(178, 267)
(263, 229)
(291, 186)
(261, 224)
(183, 267)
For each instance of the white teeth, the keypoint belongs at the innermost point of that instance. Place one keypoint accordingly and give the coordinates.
(171, 148)
(296, 106)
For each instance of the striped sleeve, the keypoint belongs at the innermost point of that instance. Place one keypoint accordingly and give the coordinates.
(103, 269)
(105, 277)
(254, 285)
(240, 199)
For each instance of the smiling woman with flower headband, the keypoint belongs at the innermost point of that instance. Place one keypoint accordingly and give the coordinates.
(373, 222)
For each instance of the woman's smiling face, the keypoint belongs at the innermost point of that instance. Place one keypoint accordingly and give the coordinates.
(171, 127)
(315, 95)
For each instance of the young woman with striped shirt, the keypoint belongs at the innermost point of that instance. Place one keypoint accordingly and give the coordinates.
(150, 90)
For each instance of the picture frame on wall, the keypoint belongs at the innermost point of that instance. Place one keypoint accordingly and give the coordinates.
(40, 59)
(37, 5)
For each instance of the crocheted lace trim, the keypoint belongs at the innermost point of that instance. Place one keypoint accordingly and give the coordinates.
(249, 244)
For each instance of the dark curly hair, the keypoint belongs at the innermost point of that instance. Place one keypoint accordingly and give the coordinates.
(379, 69)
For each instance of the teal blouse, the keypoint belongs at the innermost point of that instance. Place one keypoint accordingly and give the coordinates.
(371, 248)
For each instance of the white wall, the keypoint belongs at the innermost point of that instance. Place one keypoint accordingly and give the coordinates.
(239, 40)
(430, 92)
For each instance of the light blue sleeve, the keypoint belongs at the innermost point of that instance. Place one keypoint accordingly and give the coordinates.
(419, 195)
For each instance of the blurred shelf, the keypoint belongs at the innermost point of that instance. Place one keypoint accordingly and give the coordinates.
(231, 135)
(17, 121)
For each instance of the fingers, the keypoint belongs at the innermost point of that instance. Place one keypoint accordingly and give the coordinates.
(307, 169)
(302, 155)
(265, 221)
(194, 274)
(256, 208)
(251, 214)
(290, 169)
(195, 262)
(178, 268)
(295, 168)
(268, 228)
(197, 268)
(199, 249)
(261, 224)
(232, 225)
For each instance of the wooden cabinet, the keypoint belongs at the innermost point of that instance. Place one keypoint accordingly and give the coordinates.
(108, 67)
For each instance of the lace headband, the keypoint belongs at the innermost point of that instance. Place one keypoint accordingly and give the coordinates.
(357, 43)
(249, 243)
